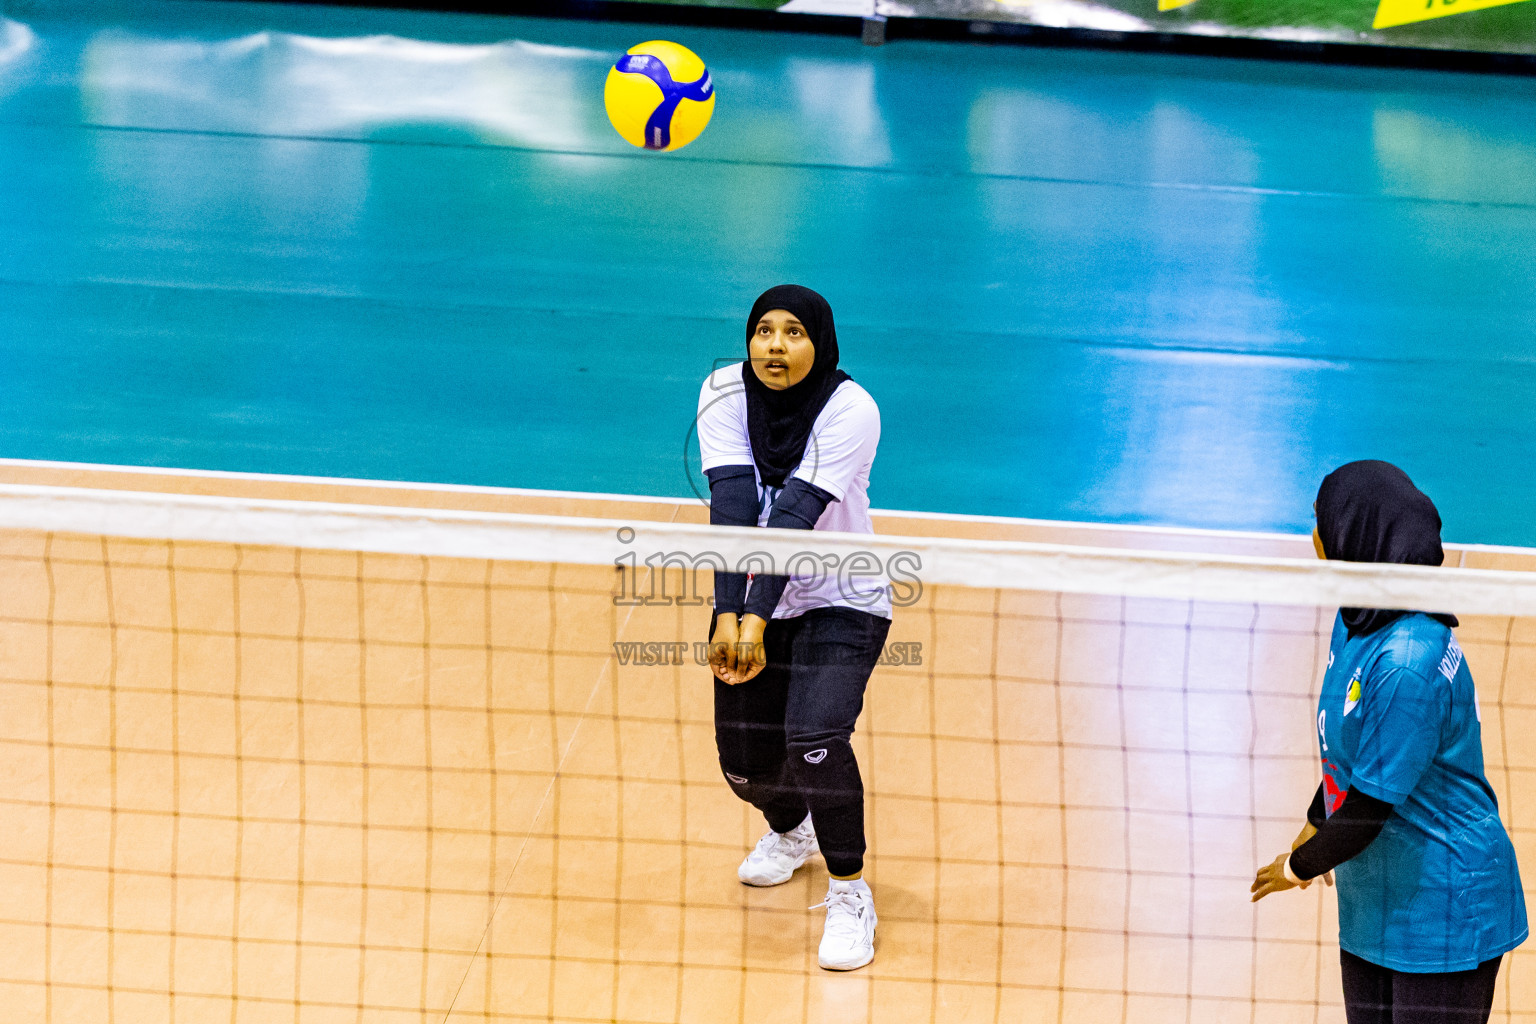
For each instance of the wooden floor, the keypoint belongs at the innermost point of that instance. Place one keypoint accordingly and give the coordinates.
(260, 785)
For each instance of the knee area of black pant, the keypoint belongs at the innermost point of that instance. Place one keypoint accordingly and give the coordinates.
(747, 784)
(817, 749)
(740, 784)
(824, 760)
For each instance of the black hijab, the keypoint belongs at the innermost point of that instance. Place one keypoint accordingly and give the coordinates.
(1370, 511)
(779, 422)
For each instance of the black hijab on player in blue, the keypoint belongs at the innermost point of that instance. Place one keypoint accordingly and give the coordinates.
(1370, 511)
(779, 422)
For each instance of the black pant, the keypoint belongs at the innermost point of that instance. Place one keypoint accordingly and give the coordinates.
(783, 736)
(1380, 995)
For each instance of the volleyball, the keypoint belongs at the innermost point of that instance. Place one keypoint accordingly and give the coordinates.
(659, 96)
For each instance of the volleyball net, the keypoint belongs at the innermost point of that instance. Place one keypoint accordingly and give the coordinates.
(268, 760)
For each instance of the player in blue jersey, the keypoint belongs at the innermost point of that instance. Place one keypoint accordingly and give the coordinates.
(1429, 891)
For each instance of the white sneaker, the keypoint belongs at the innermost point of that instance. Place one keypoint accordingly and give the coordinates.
(848, 940)
(778, 854)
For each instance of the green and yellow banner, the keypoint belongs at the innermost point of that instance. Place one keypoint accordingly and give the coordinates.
(1404, 12)
(1391, 13)
(1491, 26)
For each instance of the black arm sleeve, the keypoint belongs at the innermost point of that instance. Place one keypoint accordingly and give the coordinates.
(799, 506)
(1317, 813)
(732, 502)
(1349, 831)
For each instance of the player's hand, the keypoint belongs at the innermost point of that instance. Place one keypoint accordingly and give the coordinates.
(1271, 878)
(722, 648)
(1307, 832)
(751, 658)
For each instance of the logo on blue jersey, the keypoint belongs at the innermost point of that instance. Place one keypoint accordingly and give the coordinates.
(1452, 660)
(1352, 695)
(1450, 665)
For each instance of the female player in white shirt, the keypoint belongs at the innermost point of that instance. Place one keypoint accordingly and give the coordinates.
(787, 441)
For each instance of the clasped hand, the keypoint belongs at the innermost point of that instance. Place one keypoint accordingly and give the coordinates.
(736, 650)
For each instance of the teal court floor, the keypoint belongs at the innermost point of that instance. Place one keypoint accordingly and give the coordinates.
(1094, 286)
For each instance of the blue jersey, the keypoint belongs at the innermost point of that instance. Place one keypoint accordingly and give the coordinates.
(1438, 889)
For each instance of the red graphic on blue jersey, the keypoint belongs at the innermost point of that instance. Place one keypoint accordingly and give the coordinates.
(1333, 796)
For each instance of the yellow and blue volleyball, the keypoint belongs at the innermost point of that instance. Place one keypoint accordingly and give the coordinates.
(659, 96)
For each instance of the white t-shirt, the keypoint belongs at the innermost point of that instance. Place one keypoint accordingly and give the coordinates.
(838, 455)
